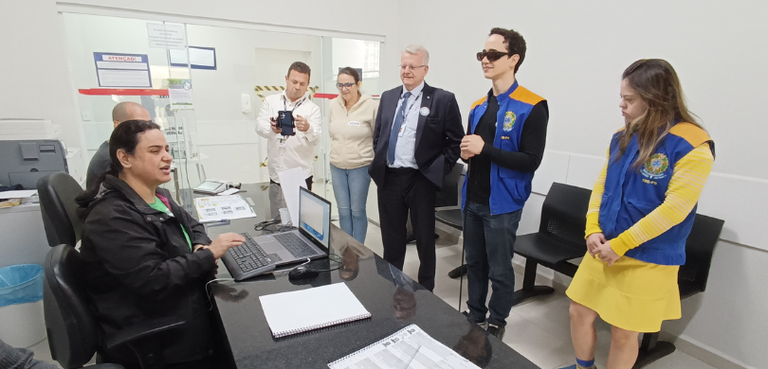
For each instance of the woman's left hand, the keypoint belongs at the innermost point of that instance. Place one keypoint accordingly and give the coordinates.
(605, 253)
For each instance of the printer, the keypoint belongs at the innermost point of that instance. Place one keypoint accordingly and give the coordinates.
(29, 150)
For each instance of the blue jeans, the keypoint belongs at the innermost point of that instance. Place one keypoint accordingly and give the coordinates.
(351, 189)
(489, 242)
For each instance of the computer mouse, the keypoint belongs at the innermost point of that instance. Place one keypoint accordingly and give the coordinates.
(302, 272)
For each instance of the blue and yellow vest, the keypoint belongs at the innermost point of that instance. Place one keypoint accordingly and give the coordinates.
(509, 188)
(630, 193)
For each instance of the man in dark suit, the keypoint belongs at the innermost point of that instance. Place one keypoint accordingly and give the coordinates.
(416, 143)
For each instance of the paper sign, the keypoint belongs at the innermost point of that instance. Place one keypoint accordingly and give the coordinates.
(180, 94)
(122, 70)
(166, 36)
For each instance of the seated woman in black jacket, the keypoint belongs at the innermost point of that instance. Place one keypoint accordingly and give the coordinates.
(147, 258)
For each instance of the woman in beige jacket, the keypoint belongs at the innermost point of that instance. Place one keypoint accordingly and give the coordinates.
(353, 116)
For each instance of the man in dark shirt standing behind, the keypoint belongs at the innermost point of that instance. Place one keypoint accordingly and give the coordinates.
(504, 145)
(126, 110)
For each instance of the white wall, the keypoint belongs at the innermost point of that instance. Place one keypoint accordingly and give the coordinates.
(34, 74)
(576, 53)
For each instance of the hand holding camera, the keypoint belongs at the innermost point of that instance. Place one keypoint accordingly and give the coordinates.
(284, 123)
(273, 125)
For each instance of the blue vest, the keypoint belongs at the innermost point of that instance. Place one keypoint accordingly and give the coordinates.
(509, 188)
(631, 194)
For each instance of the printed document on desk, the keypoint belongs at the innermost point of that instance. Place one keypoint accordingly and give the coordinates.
(218, 208)
(408, 348)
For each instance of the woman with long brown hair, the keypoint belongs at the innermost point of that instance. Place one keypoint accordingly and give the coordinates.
(640, 214)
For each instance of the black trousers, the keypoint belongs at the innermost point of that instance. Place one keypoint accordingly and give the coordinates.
(406, 190)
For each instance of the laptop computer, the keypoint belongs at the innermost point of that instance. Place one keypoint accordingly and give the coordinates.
(311, 240)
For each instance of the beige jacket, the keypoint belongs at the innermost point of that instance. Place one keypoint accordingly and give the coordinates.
(352, 132)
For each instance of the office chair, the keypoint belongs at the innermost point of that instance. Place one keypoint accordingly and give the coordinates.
(57, 194)
(74, 334)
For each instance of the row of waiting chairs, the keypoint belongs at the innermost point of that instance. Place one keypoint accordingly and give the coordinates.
(560, 241)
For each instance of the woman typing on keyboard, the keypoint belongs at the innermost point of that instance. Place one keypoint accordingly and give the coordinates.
(146, 257)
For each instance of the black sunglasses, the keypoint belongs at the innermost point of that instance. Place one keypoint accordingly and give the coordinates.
(491, 55)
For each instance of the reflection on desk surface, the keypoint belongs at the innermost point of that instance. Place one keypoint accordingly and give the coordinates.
(393, 299)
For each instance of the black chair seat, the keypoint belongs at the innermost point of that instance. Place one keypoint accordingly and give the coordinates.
(559, 239)
(451, 217)
(546, 249)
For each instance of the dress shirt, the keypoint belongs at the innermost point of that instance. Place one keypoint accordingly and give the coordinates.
(292, 151)
(406, 143)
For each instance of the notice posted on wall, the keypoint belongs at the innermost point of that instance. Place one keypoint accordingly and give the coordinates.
(180, 94)
(220, 208)
(122, 70)
(166, 36)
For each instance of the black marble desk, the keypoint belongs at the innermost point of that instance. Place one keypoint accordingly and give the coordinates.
(393, 299)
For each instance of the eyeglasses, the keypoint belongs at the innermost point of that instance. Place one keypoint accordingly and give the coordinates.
(412, 67)
(491, 55)
(341, 86)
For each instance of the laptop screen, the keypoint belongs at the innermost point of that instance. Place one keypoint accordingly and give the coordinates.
(315, 216)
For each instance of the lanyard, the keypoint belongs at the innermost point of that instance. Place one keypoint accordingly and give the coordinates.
(285, 106)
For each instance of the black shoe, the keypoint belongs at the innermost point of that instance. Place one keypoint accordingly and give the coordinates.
(496, 331)
(483, 324)
(459, 272)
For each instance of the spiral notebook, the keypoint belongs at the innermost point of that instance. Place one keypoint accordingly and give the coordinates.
(408, 348)
(305, 310)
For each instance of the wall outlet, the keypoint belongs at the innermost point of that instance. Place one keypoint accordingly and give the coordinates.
(246, 168)
(86, 115)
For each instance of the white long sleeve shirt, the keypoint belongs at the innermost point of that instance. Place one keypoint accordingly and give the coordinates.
(291, 151)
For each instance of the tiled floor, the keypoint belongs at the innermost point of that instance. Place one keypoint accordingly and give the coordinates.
(538, 329)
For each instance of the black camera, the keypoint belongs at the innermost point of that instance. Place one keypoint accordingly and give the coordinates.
(285, 122)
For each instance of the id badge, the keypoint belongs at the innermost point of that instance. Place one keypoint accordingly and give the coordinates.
(281, 142)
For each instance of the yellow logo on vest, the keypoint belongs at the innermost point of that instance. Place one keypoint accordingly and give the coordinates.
(509, 121)
(655, 167)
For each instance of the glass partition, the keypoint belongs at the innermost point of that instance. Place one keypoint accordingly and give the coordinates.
(230, 71)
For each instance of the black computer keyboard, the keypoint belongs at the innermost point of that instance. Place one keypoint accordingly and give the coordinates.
(295, 245)
(248, 260)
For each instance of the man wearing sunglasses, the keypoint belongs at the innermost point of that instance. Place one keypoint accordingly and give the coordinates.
(416, 143)
(503, 146)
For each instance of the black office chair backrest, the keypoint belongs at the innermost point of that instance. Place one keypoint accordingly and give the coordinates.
(699, 248)
(73, 333)
(450, 193)
(564, 214)
(59, 210)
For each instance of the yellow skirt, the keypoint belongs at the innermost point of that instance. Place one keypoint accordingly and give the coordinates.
(630, 294)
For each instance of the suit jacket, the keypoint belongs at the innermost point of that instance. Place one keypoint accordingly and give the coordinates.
(438, 134)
